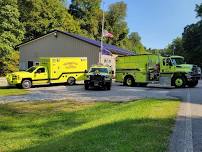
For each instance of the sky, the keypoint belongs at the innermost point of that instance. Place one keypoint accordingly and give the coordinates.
(158, 22)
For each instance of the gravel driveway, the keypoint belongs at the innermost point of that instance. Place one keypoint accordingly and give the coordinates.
(117, 93)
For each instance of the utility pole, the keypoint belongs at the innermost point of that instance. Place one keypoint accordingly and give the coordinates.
(103, 22)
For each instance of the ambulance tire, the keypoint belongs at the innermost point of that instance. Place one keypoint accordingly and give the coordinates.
(71, 81)
(26, 84)
(129, 81)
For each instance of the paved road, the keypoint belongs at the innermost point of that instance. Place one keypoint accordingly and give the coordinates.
(187, 136)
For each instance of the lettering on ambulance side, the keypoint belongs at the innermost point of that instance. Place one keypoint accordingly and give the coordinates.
(70, 65)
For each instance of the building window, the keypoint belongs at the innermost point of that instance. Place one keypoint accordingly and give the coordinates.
(37, 63)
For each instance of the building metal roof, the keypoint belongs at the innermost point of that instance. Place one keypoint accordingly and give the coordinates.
(111, 48)
(106, 47)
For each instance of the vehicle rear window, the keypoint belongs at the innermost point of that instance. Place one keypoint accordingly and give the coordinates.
(101, 70)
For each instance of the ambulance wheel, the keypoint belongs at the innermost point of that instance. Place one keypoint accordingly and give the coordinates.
(129, 81)
(71, 81)
(26, 84)
(179, 82)
(193, 83)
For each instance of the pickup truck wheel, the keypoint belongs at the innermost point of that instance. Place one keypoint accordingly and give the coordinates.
(26, 84)
(86, 86)
(193, 83)
(71, 81)
(129, 81)
(179, 82)
(108, 87)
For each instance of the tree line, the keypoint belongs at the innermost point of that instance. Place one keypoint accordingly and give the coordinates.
(24, 20)
(189, 44)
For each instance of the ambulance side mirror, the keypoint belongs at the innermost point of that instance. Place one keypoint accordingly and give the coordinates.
(86, 71)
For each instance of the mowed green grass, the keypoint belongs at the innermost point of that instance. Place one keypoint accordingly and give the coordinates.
(139, 126)
(12, 91)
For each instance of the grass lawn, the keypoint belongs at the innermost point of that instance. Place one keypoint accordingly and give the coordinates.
(11, 91)
(141, 126)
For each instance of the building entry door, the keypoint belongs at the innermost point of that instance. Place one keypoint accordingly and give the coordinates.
(30, 64)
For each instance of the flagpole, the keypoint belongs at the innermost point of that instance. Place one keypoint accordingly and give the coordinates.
(101, 47)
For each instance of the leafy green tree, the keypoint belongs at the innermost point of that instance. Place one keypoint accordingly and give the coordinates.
(88, 14)
(192, 43)
(176, 47)
(11, 31)
(10, 63)
(116, 23)
(133, 43)
(199, 10)
(42, 16)
(136, 44)
(192, 39)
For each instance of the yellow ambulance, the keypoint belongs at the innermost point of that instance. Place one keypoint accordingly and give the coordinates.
(50, 71)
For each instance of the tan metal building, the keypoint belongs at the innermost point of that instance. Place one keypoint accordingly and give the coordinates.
(62, 44)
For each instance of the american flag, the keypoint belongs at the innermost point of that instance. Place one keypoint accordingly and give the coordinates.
(107, 34)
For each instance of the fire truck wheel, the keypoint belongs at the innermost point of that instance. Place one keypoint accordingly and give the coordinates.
(179, 82)
(129, 81)
(26, 84)
(193, 83)
(71, 81)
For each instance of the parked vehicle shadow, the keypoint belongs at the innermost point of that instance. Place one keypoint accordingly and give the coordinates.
(7, 87)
